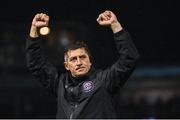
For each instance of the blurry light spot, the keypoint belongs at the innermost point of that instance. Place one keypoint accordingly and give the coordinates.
(44, 30)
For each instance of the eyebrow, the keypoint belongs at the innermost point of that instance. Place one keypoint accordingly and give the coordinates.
(83, 55)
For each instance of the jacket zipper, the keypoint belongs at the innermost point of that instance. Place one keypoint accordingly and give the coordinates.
(71, 115)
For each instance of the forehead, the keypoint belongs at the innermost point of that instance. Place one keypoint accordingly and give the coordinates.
(76, 52)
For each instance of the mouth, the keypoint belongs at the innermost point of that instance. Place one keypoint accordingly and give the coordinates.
(79, 68)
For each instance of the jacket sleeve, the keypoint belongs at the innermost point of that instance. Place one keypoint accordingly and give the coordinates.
(116, 75)
(40, 68)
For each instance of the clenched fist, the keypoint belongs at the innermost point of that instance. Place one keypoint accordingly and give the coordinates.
(40, 20)
(109, 18)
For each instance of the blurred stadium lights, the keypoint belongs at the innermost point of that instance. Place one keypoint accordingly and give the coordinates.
(65, 38)
(158, 71)
(44, 30)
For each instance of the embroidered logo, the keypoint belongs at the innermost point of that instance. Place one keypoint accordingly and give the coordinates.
(88, 86)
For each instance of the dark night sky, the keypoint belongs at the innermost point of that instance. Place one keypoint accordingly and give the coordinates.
(153, 24)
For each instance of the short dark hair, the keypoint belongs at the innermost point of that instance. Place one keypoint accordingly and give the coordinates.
(76, 45)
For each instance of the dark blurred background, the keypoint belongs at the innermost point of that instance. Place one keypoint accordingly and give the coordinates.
(153, 90)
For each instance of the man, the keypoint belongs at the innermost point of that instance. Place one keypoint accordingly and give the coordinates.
(83, 91)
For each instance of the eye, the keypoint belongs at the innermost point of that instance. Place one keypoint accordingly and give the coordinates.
(73, 59)
(83, 56)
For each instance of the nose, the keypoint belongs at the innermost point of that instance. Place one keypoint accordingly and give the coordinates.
(79, 62)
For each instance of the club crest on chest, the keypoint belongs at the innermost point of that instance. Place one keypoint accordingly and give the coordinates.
(87, 86)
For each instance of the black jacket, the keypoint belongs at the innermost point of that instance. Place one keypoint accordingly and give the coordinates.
(89, 96)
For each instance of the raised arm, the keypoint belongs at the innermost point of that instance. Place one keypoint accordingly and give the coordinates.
(44, 71)
(116, 75)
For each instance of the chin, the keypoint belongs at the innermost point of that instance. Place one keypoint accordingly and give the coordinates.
(81, 74)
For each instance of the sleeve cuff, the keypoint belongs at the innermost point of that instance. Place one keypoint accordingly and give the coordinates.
(119, 33)
(33, 39)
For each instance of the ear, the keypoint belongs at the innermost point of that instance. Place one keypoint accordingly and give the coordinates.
(90, 64)
(66, 65)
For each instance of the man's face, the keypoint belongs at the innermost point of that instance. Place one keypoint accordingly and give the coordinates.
(77, 62)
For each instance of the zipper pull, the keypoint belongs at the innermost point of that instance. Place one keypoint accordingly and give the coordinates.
(71, 116)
